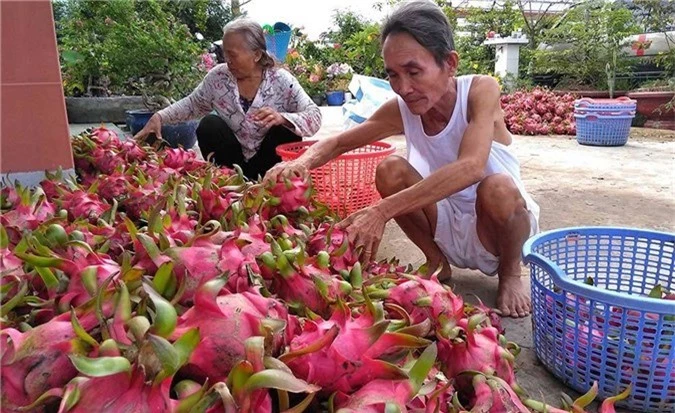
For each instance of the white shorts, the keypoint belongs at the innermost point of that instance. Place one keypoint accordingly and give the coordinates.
(457, 237)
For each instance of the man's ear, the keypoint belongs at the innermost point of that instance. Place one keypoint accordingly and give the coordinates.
(452, 62)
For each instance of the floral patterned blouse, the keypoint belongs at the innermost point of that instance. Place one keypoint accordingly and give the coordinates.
(218, 91)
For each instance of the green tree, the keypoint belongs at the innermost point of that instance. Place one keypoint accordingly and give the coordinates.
(586, 41)
(114, 46)
(474, 56)
(204, 16)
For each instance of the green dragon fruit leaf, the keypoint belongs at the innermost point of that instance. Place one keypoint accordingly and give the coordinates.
(278, 379)
(100, 367)
(165, 313)
(163, 277)
(80, 332)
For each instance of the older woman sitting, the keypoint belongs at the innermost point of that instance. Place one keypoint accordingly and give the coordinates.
(259, 105)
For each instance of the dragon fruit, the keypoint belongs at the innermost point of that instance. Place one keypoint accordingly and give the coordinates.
(181, 160)
(106, 160)
(342, 353)
(334, 241)
(85, 270)
(302, 281)
(225, 322)
(206, 256)
(424, 299)
(114, 384)
(81, 204)
(291, 194)
(141, 200)
(29, 209)
(37, 360)
(476, 348)
(112, 186)
(247, 387)
(10, 264)
(215, 202)
(132, 151)
(382, 395)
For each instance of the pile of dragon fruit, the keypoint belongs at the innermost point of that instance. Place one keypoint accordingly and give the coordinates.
(539, 112)
(157, 282)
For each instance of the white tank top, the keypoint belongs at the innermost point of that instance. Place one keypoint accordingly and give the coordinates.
(429, 153)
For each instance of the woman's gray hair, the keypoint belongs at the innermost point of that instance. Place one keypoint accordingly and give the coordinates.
(426, 23)
(253, 36)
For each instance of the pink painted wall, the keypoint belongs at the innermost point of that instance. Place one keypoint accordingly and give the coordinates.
(34, 133)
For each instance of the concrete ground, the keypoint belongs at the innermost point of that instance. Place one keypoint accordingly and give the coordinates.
(575, 185)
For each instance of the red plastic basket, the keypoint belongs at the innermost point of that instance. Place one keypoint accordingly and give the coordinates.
(347, 183)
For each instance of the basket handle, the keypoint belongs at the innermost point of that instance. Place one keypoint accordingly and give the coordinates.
(605, 112)
(561, 280)
(585, 102)
(594, 117)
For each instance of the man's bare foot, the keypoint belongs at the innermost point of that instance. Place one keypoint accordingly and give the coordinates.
(513, 298)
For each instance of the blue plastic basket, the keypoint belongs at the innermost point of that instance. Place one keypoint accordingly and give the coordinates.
(277, 43)
(603, 130)
(611, 332)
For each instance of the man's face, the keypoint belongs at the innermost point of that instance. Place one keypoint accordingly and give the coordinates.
(414, 74)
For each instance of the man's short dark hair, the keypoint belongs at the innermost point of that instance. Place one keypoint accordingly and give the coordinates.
(426, 23)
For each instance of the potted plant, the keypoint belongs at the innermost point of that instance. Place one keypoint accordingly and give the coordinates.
(156, 91)
(656, 103)
(310, 75)
(338, 76)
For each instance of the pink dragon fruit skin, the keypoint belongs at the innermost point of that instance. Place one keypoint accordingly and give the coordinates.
(215, 203)
(344, 351)
(36, 361)
(374, 396)
(28, 212)
(504, 398)
(224, 324)
(377, 394)
(293, 193)
(442, 301)
(299, 286)
(83, 205)
(113, 186)
(132, 151)
(123, 392)
(105, 160)
(180, 159)
(477, 350)
(342, 256)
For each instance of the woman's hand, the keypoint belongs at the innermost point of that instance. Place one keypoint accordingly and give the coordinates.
(154, 125)
(268, 117)
(365, 229)
(286, 169)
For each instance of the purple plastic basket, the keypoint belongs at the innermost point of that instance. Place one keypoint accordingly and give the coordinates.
(611, 332)
(603, 130)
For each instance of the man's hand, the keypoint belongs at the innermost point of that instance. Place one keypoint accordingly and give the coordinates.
(365, 229)
(154, 125)
(287, 169)
(268, 117)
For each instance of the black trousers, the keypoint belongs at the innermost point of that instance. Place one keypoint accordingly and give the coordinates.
(216, 138)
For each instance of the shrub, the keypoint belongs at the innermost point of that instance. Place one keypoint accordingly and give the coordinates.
(115, 47)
